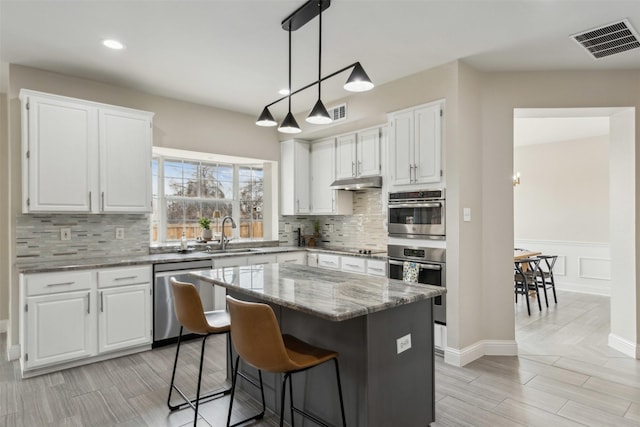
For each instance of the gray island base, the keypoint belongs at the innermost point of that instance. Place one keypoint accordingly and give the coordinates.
(382, 328)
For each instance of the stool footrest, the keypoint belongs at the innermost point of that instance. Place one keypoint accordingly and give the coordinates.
(309, 416)
(191, 402)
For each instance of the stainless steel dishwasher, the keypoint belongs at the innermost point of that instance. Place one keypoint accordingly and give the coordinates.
(166, 327)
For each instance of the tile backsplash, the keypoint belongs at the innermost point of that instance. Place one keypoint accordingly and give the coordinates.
(38, 236)
(366, 228)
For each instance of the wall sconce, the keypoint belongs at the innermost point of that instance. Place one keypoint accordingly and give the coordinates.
(516, 179)
(358, 80)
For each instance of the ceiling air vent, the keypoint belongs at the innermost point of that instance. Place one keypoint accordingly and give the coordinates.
(338, 113)
(609, 39)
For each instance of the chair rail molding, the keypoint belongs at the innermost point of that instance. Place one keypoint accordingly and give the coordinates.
(581, 266)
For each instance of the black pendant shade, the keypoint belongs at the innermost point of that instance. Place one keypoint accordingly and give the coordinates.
(358, 80)
(289, 125)
(266, 119)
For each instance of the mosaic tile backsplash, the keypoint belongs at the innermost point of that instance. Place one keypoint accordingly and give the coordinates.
(38, 236)
(366, 228)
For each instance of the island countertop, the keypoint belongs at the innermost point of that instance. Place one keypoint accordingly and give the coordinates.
(328, 294)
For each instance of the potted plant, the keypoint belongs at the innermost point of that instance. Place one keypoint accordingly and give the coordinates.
(205, 224)
(316, 228)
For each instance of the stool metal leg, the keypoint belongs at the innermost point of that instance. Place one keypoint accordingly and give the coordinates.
(234, 382)
(344, 420)
(173, 374)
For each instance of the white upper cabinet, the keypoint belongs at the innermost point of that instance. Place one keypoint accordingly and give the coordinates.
(81, 156)
(358, 154)
(59, 146)
(125, 161)
(416, 145)
(294, 177)
(325, 200)
(368, 153)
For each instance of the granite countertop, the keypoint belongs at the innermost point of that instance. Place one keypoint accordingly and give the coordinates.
(33, 266)
(332, 295)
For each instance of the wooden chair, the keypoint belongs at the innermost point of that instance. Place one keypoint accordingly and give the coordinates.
(545, 279)
(524, 279)
(258, 340)
(192, 317)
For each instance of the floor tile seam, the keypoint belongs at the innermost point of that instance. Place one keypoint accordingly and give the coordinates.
(597, 374)
(634, 400)
(479, 408)
(571, 399)
(567, 418)
(535, 408)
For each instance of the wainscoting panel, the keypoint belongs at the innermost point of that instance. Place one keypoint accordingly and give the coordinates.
(581, 266)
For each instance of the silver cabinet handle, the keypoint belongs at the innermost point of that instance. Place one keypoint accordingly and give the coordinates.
(60, 284)
(88, 302)
(352, 265)
(103, 200)
(375, 269)
(89, 201)
(359, 168)
(353, 169)
(125, 278)
(102, 302)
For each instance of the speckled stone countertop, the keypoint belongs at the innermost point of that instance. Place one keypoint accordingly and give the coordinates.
(328, 294)
(31, 266)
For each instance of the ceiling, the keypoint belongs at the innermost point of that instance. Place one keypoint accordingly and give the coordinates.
(232, 54)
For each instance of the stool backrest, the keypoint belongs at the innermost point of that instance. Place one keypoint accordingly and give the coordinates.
(188, 307)
(256, 336)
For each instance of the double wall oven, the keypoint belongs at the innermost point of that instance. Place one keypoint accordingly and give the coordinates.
(431, 267)
(417, 214)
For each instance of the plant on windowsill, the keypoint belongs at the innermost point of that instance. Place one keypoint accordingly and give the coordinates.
(316, 229)
(205, 224)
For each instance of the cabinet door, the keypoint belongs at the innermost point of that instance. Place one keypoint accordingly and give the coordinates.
(427, 144)
(401, 131)
(125, 161)
(299, 258)
(302, 178)
(322, 175)
(368, 153)
(59, 146)
(124, 317)
(346, 156)
(60, 327)
(294, 177)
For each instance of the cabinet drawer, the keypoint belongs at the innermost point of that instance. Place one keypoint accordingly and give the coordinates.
(124, 276)
(329, 261)
(51, 283)
(352, 264)
(377, 268)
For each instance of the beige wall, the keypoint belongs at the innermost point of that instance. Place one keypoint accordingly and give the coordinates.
(177, 124)
(564, 191)
(4, 211)
(501, 93)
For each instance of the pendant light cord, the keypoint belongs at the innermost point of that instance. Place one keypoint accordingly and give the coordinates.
(319, 46)
(289, 68)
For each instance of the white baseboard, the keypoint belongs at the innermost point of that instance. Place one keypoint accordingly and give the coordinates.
(475, 351)
(13, 352)
(624, 346)
(3, 325)
(581, 288)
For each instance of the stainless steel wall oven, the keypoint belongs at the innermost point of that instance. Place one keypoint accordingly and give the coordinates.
(417, 214)
(431, 264)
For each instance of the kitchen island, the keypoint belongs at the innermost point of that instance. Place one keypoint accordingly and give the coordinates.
(382, 328)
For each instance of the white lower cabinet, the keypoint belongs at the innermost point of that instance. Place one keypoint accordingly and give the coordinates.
(376, 267)
(299, 258)
(329, 261)
(440, 336)
(62, 321)
(353, 264)
(124, 314)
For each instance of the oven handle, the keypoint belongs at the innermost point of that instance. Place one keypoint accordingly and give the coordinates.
(415, 205)
(425, 266)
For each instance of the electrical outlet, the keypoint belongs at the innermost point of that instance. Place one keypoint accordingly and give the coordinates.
(287, 228)
(65, 234)
(119, 233)
(403, 343)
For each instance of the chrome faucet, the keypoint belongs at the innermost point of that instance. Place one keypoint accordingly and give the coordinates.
(223, 241)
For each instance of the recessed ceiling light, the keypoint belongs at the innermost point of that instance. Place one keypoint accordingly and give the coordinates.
(283, 91)
(113, 44)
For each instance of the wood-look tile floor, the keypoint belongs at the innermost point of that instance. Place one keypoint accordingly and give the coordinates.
(565, 375)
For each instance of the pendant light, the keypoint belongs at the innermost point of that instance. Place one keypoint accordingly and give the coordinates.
(319, 114)
(266, 119)
(289, 124)
(358, 81)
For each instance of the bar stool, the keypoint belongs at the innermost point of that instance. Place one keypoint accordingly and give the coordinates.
(259, 342)
(192, 316)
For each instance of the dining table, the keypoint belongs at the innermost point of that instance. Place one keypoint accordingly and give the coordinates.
(519, 254)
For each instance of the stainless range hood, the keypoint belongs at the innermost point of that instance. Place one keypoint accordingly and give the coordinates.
(357, 183)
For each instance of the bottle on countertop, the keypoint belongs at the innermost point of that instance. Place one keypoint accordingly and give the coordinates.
(183, 242)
